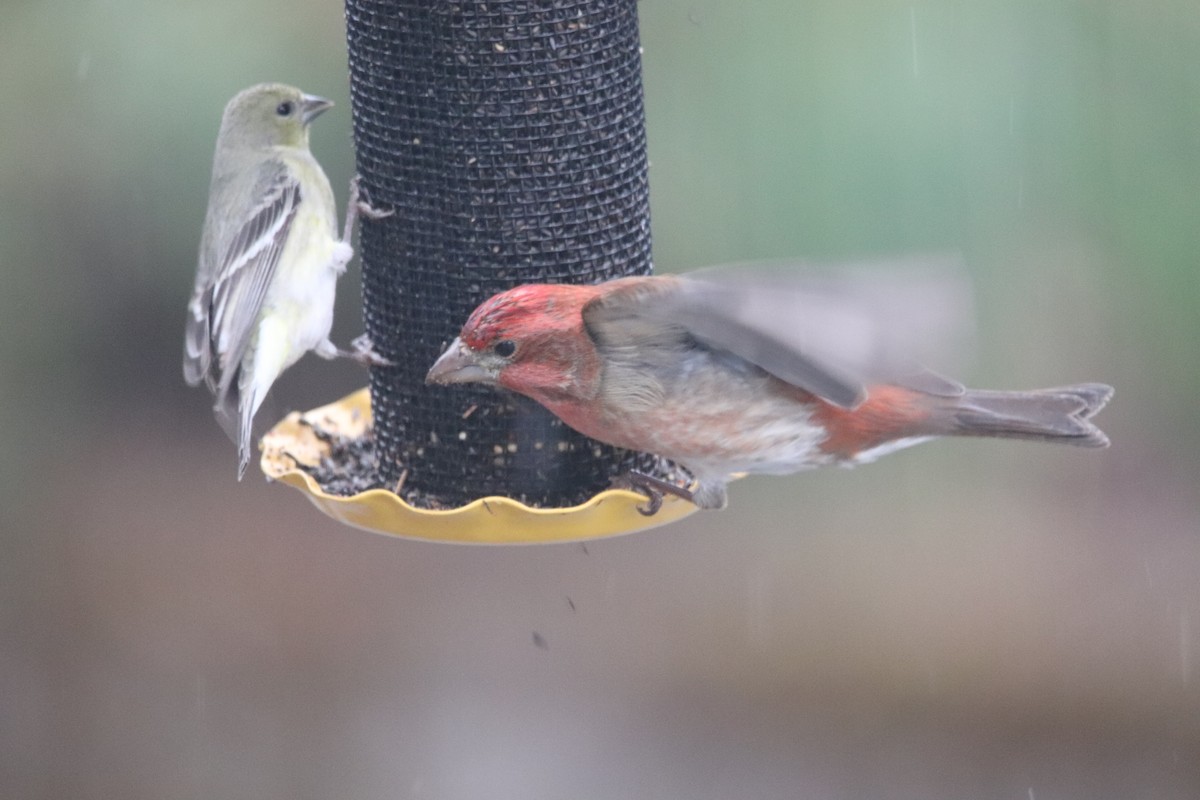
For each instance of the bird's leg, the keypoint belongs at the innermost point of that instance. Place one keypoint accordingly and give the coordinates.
(654, 489)
(360, 204)
(362, 350)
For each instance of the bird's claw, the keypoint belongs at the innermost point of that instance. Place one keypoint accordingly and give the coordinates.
(372, 213)
(362, 350)
(362, 204)
(652, 505)
(654, 489)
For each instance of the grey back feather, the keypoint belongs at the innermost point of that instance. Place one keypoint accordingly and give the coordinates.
(238, 259)
(830, 333)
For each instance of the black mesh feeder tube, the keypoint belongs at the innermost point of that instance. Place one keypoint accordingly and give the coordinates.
(508, 139)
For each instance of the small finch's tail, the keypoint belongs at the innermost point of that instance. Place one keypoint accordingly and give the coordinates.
(1050, 415)
(234, 410)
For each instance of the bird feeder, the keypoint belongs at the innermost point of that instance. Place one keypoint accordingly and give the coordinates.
(508, 138)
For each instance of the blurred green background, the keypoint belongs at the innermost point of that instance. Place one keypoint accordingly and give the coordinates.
(968, 619)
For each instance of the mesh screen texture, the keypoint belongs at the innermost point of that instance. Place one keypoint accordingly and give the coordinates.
(509, 139)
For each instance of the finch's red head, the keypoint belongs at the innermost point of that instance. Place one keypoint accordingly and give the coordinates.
(530, 339)
(521, 313)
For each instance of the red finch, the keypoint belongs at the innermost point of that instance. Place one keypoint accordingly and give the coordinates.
(726, 372)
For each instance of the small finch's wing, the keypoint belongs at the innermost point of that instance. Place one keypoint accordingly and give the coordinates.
(227, 304)
(829, 335)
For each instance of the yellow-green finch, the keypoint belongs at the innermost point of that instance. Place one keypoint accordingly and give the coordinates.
(269, 260)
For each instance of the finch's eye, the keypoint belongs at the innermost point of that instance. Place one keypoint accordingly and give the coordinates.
(284, 109)
(505, 348)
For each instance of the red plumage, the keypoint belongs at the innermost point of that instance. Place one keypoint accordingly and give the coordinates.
(728, 372)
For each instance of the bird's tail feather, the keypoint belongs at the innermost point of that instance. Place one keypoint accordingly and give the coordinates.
(245, 438)
(1061, 414)
(234, 411)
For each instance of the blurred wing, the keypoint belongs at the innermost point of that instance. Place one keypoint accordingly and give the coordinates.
(224, 312)
(831, 335)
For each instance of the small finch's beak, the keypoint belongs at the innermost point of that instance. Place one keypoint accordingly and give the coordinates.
(457, 365)
(312, 107)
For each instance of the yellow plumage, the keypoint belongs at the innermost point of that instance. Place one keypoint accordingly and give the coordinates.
(269, 257)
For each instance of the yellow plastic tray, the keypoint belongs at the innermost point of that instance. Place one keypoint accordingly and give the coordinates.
(489, 520)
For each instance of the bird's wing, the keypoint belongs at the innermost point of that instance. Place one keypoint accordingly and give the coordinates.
(831, 336)
(229, 293)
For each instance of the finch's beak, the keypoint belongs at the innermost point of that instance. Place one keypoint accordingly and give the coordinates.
(312, 107)
(458, 365)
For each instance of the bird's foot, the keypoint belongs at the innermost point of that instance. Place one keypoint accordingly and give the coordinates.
(654, 489)
(360, 204)
(362, 350)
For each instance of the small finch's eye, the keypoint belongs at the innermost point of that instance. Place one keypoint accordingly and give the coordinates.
(285, 108)
(505, 348)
